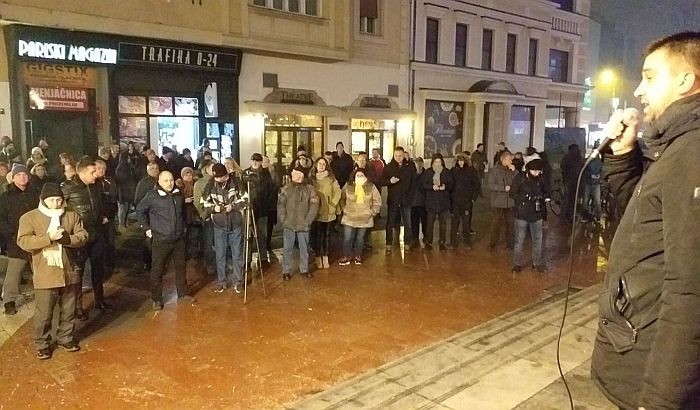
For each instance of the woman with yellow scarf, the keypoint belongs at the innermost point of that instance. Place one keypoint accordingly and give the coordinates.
(360, 202)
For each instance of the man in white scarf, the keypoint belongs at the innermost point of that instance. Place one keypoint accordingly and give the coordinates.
(45, 233)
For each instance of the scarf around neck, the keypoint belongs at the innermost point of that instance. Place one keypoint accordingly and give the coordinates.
(436, 176)
(321, 175)
(360, 190)
(54, 253)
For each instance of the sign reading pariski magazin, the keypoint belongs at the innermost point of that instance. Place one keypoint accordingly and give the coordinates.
(67, 52)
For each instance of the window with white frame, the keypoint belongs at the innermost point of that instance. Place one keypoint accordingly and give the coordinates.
(307, 7)
(369, 16)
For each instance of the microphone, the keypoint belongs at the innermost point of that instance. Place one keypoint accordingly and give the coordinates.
(629, 112)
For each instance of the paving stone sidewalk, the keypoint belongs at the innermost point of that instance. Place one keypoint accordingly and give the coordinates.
(506, 363)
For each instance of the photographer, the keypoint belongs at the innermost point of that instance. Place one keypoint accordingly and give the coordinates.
(224, 204)
(529, 194)
(257, 182)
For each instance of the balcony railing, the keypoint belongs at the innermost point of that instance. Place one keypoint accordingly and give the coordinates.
(566, 26)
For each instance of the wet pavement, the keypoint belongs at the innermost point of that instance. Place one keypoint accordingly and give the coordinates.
(303, 338)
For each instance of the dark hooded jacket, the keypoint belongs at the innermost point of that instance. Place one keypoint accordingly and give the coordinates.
(13, 204)
(647, 352)
(126, 180)
(400, 193)
(467, 186)
(162, 213)
(437, 201)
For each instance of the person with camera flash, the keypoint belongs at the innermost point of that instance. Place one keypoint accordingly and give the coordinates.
(529, 194)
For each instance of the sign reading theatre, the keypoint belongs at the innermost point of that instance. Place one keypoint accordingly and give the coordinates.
(67, 52)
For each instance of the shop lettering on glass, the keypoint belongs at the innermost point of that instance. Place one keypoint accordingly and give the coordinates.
(57, 74)
(63, 52)
(58, 99)
(177, 56)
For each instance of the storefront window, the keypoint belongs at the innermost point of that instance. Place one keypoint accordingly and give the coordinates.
(285, 132)
(159, 121)
(369, 134)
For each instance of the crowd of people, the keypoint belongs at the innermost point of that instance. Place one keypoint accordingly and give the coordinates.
(62, 217)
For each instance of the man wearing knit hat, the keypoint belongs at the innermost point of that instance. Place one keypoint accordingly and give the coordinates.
(297, 206)
(530, 194)
(46, 232)
(19, 199)
(223, 204)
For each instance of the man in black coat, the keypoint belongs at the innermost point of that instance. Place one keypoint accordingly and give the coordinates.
(257, 182)
(342, 164)
(84, 197)
(161, 217)
(19, 199)
(399, 178)
(465, 191)
(647, 351)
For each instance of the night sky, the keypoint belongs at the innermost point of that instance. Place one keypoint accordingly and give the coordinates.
(629, 25)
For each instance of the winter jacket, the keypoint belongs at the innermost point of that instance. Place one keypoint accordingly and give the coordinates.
(13, 204)
(33, 238)
(260, 184)
(202, 189)
(146, 184)
(437, 201)
(417, 191)
(86, 200)
(360, 215)
(529, 194)
(399, 193)
(467, 186)
(109, 196)
(647, 350)
(342, 167)
(499, 178)
(328, 192)
(162, 213)
(126, 180)
(297, 206)
(221, 195)
(377, 167)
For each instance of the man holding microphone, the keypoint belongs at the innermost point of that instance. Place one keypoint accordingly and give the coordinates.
(647, 351)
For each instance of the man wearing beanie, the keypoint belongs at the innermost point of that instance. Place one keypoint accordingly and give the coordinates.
(46, 233)
(530, 194)
(297, 206)
(19, 199)
(223, 205)
(258, 183)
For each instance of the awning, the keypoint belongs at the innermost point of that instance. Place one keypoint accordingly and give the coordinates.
(296, 109)
(378, 113)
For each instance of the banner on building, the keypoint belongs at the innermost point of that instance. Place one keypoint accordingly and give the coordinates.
(58, 99)
(58, 75)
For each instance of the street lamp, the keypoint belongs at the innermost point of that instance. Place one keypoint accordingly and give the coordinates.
(609, 78)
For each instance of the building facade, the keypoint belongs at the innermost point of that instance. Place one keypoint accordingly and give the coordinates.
(495, 70)
(248, 75)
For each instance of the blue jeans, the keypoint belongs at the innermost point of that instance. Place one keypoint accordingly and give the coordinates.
(591, 193)
(353, 241)
(396, 215)
(289, 237)
(536, 234)
(222, 241)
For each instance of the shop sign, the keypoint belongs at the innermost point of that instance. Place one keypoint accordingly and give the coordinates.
(58, 99)
(188, 57)
(52, 75)
(375, 102)
(358, 124)
(67, 52)
(294, 96)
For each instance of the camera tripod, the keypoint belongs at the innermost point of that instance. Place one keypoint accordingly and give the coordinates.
(251, 233)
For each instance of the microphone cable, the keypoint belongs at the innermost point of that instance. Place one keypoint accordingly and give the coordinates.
(593, 155)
